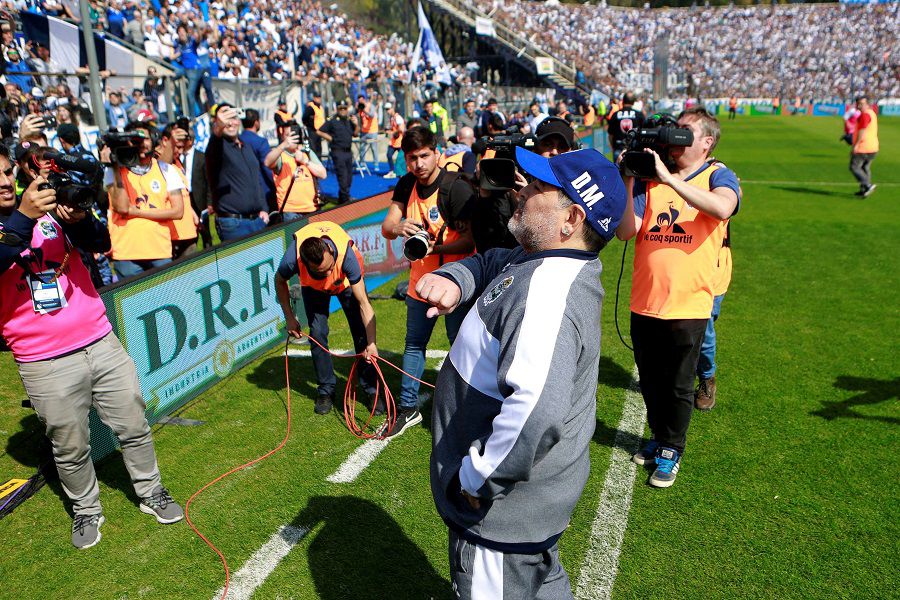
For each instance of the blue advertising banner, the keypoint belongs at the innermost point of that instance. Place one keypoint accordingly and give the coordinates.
(828, 109)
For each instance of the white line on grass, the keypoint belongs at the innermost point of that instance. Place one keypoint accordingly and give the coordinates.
(601, 564)
(842, 183)
(262, 563)
(358, 461)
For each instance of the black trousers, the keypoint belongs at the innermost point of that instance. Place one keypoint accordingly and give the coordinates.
(666, 354)
(316, 304)
(315, 142)
(343, 168)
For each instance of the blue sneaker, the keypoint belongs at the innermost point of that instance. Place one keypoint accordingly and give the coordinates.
(667, 462)
(647, 454)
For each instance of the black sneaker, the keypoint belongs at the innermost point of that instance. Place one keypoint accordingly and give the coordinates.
(162, 506)
(406, 418)
(323, 405)
(380, 407)
(86, 530)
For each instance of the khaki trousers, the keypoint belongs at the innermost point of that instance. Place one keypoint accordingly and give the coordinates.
(62, 391)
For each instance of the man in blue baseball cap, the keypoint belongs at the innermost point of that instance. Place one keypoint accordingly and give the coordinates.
(515, 403)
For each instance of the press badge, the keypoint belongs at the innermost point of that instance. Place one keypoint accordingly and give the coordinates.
(46, 297)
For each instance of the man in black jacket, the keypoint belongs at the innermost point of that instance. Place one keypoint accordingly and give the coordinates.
(232, 171)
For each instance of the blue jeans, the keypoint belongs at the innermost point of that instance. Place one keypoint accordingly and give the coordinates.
(231, 229)
(391, 151)
(197, 78)
(290, 216)
(127, 268)
(418, 332)
(706, 364)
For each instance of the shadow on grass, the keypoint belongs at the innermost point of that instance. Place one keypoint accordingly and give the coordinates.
(807, 190)
(604, 435)
(359, 551)
(613, 374)
(871, 391)
(30, 447)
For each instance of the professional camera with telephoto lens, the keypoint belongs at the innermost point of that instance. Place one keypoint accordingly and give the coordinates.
(69, 193)
(661, 132)
(499, 173)
(125, 147)
(416, 246)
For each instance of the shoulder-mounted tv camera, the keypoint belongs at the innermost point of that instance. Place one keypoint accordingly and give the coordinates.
(661, 132)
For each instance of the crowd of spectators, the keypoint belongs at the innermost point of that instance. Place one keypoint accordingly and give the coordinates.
(814, 51)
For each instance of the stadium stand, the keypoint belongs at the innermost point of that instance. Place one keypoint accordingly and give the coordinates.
(815, 51)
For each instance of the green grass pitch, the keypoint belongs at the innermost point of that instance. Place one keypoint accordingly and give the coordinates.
(786, 491)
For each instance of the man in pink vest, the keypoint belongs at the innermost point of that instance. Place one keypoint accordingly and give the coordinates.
(68, 357)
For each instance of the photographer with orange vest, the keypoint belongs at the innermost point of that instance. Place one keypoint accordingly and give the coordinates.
(329, 265)
(144, 200)
(679, 236)
(183, 230)
(436, 205)
(314, 118)
(368, 129)
(865, 146)
(396, 129)
(295, 172)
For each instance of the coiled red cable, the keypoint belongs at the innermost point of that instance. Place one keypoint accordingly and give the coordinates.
(349, 419)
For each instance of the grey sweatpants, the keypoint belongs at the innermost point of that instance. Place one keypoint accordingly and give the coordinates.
(861, 167)
(62, 391)
(479, 573)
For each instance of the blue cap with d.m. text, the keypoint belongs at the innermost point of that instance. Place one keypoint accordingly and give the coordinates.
(588, 178)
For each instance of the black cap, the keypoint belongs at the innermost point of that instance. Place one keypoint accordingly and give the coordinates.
(21, 149)
(343, 104)
(68, 132)
(555, 126)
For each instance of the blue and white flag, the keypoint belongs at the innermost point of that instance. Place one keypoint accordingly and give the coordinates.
(427, 47)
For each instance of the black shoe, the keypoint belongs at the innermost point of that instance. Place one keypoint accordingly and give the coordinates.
(380, 407)
(406, 418)
(868, 191)
(324, 405)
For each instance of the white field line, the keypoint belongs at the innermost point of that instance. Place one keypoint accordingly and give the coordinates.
(842, 183)
(262, 563)
(601, 564)
(358, 461)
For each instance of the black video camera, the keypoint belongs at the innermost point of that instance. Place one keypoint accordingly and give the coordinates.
(499, 173)
(77, 180)
(663, 133)
(124, 147)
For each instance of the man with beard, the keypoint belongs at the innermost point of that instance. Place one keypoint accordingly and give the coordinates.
(515, 403)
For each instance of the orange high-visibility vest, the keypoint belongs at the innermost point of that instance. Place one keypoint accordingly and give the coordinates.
(135, 237)
(425, 211)
(676, 253)
(303, 192)
(336, 281)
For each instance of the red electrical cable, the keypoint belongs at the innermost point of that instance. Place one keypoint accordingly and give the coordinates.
(349, 419)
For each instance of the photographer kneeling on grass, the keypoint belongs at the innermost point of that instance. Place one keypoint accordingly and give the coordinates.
(68, 357)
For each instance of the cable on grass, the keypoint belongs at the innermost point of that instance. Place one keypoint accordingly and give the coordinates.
(349, 419)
